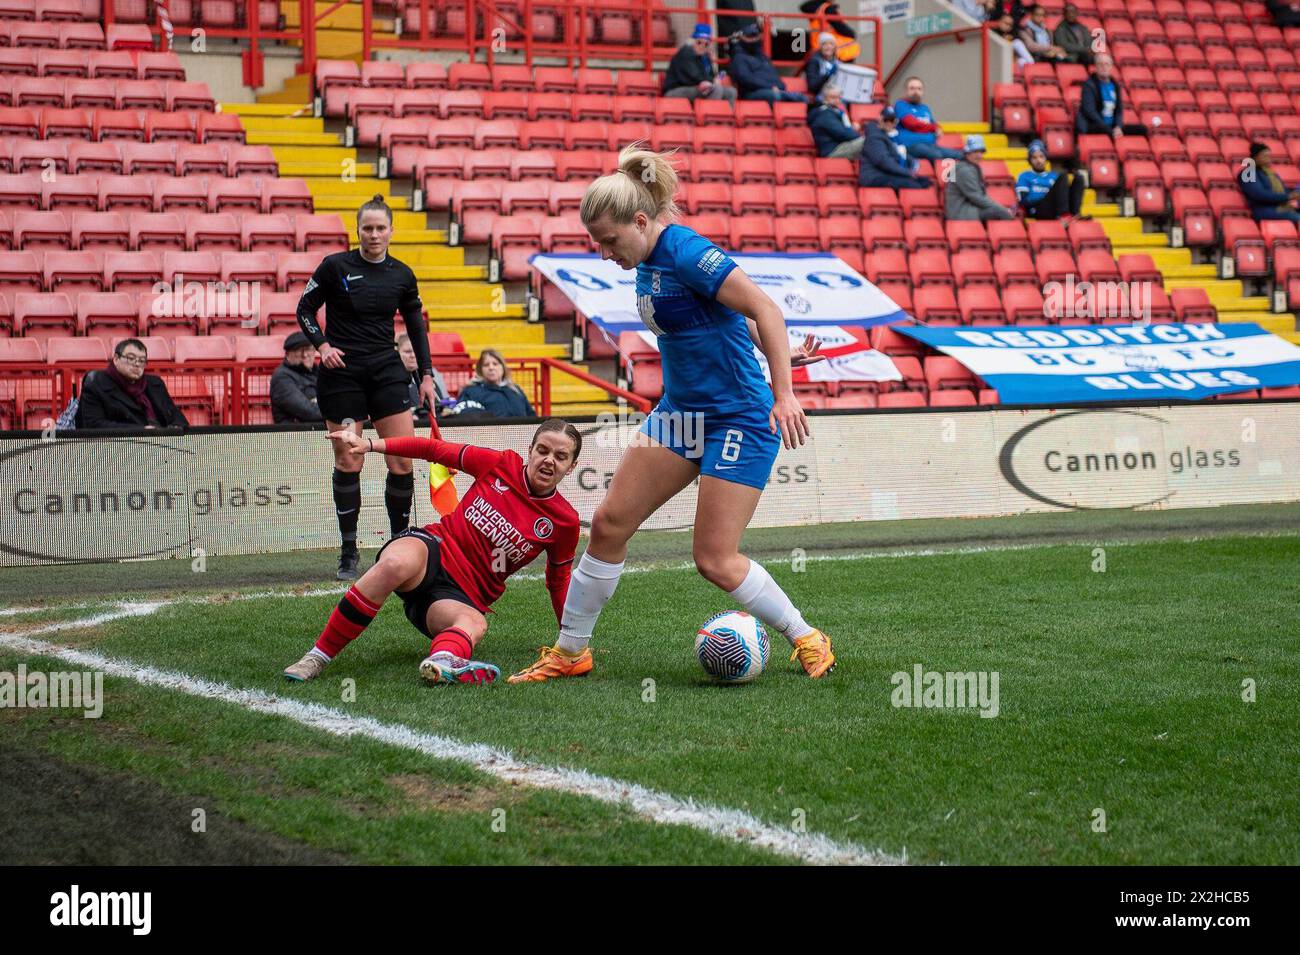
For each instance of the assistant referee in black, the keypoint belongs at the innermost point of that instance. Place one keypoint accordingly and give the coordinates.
(360, 376)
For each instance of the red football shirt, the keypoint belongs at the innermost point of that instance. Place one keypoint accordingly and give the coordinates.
(499, 526)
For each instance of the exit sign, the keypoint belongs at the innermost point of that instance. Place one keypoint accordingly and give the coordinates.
(931, 23)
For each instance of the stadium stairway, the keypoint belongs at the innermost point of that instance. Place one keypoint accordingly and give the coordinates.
(1127, 237)
(457, 296)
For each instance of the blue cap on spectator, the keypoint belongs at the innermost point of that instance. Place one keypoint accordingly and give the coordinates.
(702, 32)
(974, 143)
(888, 113)
(751, 30)
(1037, 147)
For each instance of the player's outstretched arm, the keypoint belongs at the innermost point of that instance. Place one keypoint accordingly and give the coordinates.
(427, 449)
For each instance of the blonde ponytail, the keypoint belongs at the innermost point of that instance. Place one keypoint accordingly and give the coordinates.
(645, 182)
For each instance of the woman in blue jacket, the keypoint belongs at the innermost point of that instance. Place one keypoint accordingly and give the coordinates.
(1267, 194)
(491, 392)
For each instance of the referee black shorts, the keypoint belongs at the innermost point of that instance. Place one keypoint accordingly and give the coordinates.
(436, 585)
(369, 387)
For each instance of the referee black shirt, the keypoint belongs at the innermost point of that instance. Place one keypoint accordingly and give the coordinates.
(360, 299)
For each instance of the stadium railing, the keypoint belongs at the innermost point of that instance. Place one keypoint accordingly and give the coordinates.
(491, 28)
(237, 393)
(252, 32)
(957, 35)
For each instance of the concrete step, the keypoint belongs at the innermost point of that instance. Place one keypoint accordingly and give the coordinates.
(449, 273)
(442, 311)
(484, 334)
(297, 139)
(1139, 243)
(1283, 324)
(265, 109)
(295, 124)
(346, 206)
(331, 185)
(303, 170)
(455, 294)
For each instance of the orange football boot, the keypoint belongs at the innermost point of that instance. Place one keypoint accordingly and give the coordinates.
(813, 650)
(552, 663)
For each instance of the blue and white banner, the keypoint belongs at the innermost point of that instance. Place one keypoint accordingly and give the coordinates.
(1045, 364)
(849, 356)
(811, 288)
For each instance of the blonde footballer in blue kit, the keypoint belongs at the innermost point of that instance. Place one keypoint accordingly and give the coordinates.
(708, 316)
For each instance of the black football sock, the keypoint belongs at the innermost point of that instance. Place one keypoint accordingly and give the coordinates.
(347, 505)
(398, 490)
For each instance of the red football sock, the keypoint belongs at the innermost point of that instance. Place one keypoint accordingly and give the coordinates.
(350, 617)
(454, 641)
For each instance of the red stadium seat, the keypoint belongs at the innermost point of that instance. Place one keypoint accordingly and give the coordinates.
(212, 232)
(980, 303)
(106, 313)
(156, 230)
(40, 315)
(98, 230)
(936, 305)
(260, 232)
(191, 266)
(1023, 305)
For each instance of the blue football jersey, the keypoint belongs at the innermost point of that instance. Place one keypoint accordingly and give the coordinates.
(708, 357)
(1032, 186)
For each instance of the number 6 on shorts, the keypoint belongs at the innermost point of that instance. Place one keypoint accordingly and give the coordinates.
(731, 445)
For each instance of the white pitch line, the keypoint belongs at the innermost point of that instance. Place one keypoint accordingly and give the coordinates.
(722, 822)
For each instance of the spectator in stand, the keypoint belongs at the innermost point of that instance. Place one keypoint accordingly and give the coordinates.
(753, 73)
(831, 128)
(729, 26)
(827, 16)
(491, 393)
(883, 162)
(1038, 39)
(1266, 193)
(123, 396)
(821, 66)
(967, 197)
(1285, 13)
(997, 9)
(692, 74)
(1101, 109)
(917, 130)
(293, 385)
(406, 352)
(1005, 28)
(1073, 37)
(1048, 194)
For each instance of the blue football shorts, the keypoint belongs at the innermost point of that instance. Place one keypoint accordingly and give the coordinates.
(735, 446)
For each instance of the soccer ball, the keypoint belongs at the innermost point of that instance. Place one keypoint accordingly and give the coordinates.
(732, 647)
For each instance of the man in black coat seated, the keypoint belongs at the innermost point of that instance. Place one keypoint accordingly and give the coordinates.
(123, 396)
(753, 73)
(293, 385)
(882, 165)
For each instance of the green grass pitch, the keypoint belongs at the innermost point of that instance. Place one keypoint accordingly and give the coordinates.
(1146, 713)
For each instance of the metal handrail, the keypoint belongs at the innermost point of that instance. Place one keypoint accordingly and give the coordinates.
(958, 34)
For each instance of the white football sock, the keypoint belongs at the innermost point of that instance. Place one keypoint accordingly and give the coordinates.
(590, 588)
(763, 598)
(318, 652)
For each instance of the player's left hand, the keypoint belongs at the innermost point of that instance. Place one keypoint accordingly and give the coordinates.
(428, 395)
(806, 354)
(789, 417)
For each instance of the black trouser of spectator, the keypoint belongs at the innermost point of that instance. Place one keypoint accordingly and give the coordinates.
(1064, 198)
(891, 180)
(1130, 129)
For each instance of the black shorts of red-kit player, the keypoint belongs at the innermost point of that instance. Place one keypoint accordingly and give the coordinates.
(436, 585)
